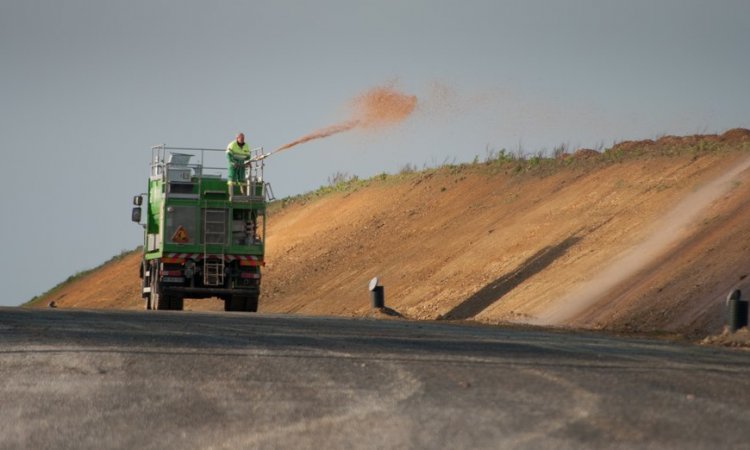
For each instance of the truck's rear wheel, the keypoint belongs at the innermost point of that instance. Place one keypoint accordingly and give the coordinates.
(176, 303)
(251, 303)
(163, 302)
(248, 303)
(235, 303)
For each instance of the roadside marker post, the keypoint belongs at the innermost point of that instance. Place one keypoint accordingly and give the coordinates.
(377, 295)
(738, 310)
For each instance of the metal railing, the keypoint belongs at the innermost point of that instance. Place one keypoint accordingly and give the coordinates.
(173, 164)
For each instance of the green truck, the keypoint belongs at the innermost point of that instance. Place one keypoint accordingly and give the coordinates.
(200, 240)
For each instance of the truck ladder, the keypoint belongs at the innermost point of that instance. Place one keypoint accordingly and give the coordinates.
(214, 233)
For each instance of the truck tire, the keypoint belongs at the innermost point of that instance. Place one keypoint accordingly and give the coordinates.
(236, 303)
(163, 302)
(247, 303)
(251, 303)
(176, 303)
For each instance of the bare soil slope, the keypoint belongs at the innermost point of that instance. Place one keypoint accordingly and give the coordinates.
(599, 236)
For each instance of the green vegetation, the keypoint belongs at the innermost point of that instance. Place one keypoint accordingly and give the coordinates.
(80, 275)
(519, 162)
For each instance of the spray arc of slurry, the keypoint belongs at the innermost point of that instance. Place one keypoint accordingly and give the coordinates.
(667, 232)
(376, 108)
(319, 134)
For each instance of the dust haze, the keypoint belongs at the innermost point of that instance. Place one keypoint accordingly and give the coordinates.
(667, 231)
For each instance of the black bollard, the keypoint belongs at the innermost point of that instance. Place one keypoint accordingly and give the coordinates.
(378, 297)
(737, 311)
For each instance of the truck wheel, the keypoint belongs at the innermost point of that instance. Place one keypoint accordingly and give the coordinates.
(177, 303)
(248, 303)
(251, 303)
(164, 302)
(236, 303)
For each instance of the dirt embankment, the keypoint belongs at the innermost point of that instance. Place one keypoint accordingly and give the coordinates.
(651, 225)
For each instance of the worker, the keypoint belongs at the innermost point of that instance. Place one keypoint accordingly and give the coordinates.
(238, 152)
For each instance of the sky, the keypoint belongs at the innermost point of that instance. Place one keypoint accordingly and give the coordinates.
(88, 86)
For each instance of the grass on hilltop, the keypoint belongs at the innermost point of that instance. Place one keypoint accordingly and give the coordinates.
(519, 162)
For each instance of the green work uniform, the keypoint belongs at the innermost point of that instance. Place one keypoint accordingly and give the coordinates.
(236, 157)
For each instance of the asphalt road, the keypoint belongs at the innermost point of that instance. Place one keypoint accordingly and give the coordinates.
(85, 379)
